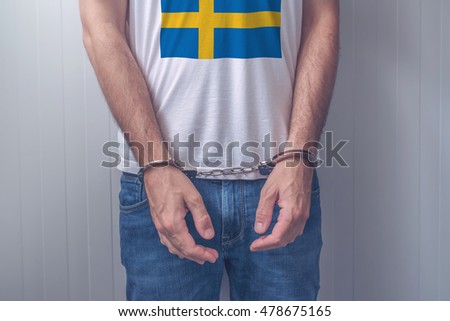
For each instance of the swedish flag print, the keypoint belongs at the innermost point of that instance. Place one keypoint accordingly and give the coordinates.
(213, 29)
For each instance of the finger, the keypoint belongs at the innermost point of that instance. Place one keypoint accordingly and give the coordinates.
(187, 246)
(184, 243)
(264, 211)
(170, 246)
(166, 233)
(202, 253)
(178, 252)
(200, 215)
(177, 235)
(279, 237)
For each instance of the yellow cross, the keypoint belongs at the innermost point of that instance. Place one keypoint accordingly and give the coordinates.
(206, 20)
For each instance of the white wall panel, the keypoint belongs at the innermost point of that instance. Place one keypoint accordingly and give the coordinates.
(406, 158)
(98, 190)
(52, 146)
(11, 254)
(29, 128)
(337, 203)
(75, 149)
(368, 228)
(430, 94)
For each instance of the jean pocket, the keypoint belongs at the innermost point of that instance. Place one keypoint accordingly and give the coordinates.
(132, 194)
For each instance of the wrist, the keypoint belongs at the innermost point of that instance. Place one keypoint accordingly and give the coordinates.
(297, 163)
(310, 145)
(147, 150)
(158, 165)
(294, 157)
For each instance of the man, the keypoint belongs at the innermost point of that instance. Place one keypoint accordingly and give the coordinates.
(210, 77)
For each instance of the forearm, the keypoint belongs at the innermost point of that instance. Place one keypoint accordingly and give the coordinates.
(316, 73)
(125, 89)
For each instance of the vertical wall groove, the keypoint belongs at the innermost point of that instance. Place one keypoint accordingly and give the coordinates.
(420, 147)
(444, 238)
(20, 214)
(63, 107)
(440, 135)
(19, 174)
(354, 150)
(86, 180)
(44, 276)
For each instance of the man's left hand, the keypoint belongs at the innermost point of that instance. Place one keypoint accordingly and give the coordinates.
(289, 186)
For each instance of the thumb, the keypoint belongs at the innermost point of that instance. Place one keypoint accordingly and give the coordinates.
(264, 212)
(201, 218)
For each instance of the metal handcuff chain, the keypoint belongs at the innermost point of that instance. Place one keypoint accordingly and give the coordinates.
(229, 171)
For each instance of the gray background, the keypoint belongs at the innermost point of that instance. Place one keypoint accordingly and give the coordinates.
(386, 219)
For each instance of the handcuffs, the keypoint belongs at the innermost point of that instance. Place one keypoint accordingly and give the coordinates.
(264, 167)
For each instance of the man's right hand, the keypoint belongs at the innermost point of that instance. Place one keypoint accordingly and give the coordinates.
(171, 195)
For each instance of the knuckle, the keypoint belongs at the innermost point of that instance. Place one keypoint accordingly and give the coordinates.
(264, 191)
(303, 217)
(162, 229)
(172, 236)
(291, 209)
(294, 210)
(158, 226)
(277, 240)
(280, 241)
(204, 218)
(168, 227)
(195, 200)
(268, 192)
(188, 252)
(262, 213)
(172, 250)
(297, 215)
(289, 219)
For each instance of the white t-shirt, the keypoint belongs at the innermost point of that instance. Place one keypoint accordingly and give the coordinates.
(219, 71)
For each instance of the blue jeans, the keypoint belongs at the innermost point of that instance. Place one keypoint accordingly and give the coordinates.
(289, 273)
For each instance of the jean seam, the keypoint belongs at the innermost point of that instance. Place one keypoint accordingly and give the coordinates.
(222, 216)
(141, 190)
(133, 208)
(242, 215)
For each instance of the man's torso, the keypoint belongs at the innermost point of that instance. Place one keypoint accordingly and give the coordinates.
(219, 71)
